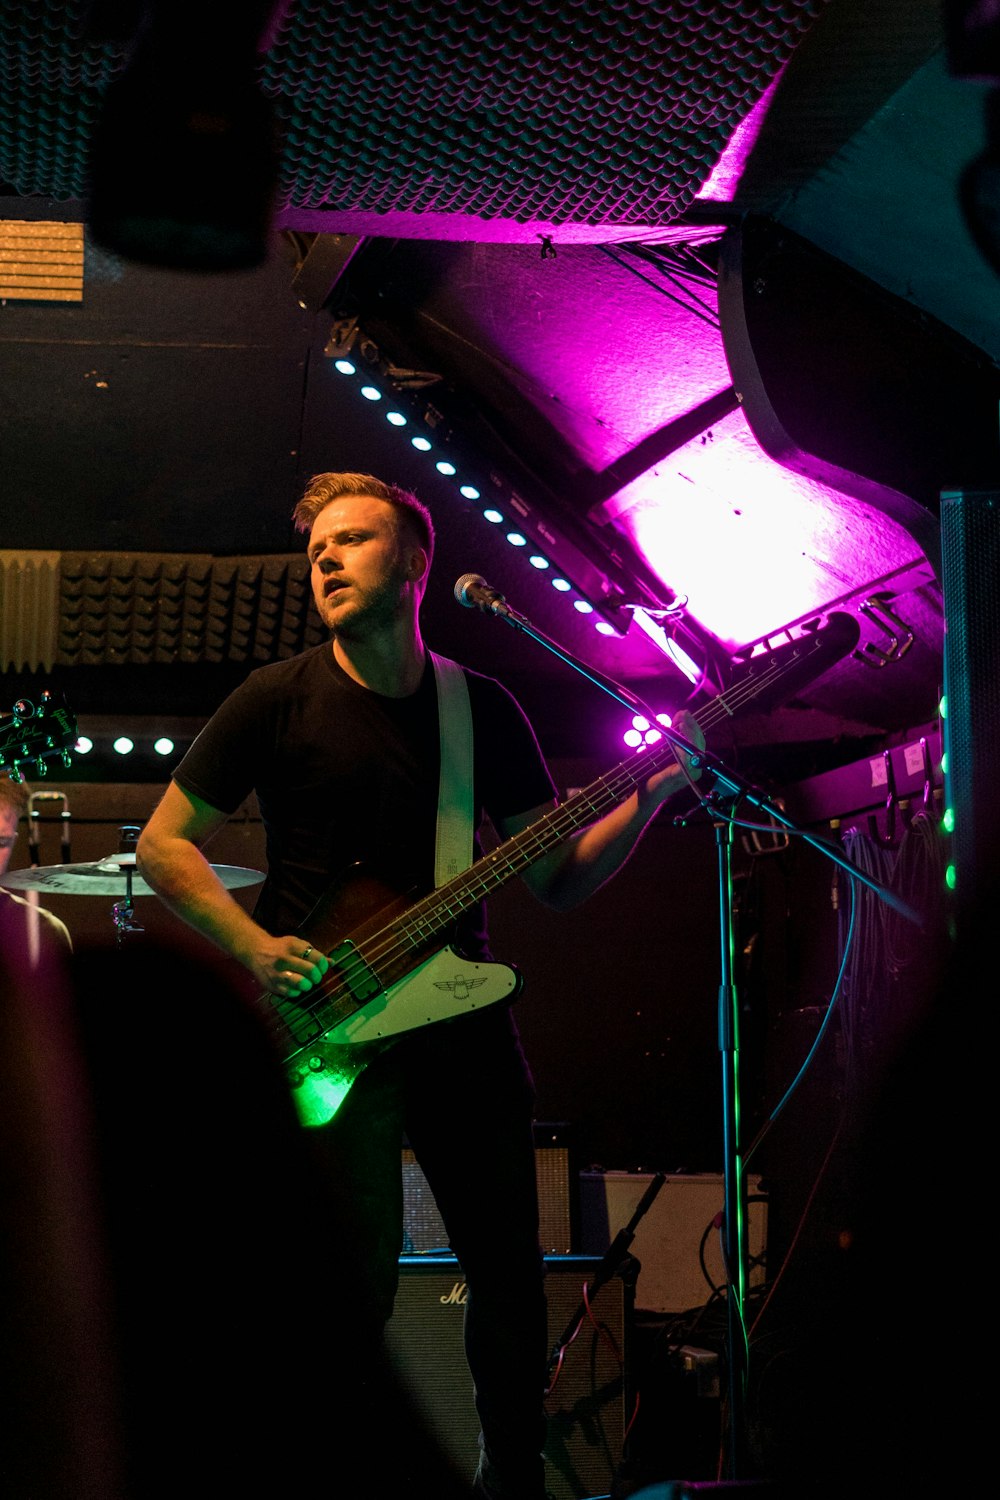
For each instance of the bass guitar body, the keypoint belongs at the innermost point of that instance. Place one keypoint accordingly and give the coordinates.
(390, 972)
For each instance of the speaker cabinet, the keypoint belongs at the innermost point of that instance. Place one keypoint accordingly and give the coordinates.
(586, 1405)
(810, 343)
(423, 1226)
(970, 562)
(675, 1236)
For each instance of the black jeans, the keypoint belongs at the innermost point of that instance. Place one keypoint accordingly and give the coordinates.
(463, 1095)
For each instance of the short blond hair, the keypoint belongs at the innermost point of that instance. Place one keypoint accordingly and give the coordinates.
(324, 488)
(13, 794)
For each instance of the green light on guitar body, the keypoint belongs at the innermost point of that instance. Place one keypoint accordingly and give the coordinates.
(317, 1100)
(321, 1084)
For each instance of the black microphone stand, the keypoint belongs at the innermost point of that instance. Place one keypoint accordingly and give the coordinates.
(729, 786)
(613, 1259)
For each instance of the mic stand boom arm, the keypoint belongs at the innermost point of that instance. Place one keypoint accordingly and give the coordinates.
(735, 1212)
(503, 611)
(728, 782)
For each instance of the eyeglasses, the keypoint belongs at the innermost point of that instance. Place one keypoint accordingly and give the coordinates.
(8, 840)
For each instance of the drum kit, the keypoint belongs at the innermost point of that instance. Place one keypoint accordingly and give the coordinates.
(33, 734)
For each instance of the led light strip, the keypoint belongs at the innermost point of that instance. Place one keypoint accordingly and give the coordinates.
(516, 532)
(640, 732)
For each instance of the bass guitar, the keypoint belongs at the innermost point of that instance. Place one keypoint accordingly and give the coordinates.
(392, 967)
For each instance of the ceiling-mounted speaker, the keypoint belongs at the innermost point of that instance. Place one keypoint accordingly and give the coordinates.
(972, 39)
(970, 545)
(979, 188)
(185, 145)
(846, 384)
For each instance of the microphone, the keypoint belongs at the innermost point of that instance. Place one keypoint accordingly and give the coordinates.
(475, 593)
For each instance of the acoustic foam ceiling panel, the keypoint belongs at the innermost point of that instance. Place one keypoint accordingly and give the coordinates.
(560, 112)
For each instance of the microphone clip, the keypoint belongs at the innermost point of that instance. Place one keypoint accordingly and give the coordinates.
(474, 592)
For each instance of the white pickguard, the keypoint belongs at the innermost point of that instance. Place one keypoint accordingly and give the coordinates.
(445, 985)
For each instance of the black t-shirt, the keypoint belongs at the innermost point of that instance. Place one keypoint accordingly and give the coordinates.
(344, 776)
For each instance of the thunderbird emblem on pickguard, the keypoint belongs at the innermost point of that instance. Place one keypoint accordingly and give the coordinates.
(459, 987)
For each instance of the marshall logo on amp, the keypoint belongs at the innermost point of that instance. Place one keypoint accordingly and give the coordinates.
(586, 1405)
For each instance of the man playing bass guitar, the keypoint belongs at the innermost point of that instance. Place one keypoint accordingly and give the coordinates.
(342, 745)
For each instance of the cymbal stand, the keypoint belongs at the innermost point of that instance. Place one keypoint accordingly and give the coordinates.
(123, 912)
(34, 830)
(34, 855)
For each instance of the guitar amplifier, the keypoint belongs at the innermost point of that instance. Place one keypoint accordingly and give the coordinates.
(587, 1402)
(675, 1242)
(423, 1226)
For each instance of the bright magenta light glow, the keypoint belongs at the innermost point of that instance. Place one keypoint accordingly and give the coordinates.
(642, 731)
(666, 643)
(759, 547)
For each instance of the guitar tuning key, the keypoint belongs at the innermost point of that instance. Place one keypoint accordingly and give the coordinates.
(31, 735)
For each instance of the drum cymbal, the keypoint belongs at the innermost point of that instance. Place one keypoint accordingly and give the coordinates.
(108, 877)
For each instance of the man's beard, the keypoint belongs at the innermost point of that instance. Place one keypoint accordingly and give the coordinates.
(373, 609)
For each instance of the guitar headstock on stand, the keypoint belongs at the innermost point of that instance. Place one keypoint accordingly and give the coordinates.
(33, 734)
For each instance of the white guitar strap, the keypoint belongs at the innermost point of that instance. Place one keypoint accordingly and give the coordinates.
(453, 851)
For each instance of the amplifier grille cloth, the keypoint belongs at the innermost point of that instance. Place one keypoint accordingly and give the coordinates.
(424, 1229)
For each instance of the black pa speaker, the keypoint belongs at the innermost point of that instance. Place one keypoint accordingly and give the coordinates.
(970, 576)
(587, 1401)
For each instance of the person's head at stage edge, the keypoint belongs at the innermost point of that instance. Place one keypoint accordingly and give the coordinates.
(13, 805)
